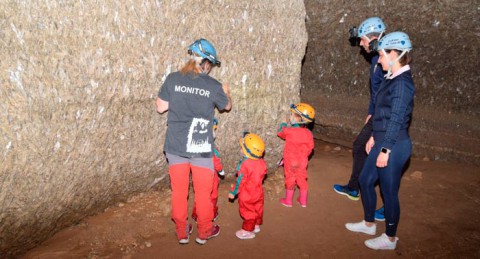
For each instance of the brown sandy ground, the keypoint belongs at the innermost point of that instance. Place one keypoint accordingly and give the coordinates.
(439, 219)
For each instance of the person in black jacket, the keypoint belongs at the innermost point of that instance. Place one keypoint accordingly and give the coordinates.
(369, 32)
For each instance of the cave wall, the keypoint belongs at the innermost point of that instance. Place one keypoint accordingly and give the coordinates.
(445, 37)
(78, 126)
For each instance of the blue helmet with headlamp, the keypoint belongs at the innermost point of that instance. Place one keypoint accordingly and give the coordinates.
(204, 49)
(371, 25)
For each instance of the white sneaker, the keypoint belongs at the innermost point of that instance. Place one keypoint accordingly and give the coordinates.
(189, 230)
(257, 229)
(243, 234)
(362, 228)
(381, 243)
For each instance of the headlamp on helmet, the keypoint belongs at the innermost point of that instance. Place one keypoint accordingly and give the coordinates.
(204, 49)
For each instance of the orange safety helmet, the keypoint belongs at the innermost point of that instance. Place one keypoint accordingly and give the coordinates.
(304, 110)
(252, 145)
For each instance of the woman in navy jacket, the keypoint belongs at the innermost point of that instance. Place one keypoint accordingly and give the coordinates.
(390, 146)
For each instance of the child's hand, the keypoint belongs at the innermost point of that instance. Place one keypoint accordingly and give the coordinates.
(285, 119)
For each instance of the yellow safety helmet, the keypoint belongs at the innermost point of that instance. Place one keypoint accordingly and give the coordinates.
(304, 110)
(252, 145)
(215, 123)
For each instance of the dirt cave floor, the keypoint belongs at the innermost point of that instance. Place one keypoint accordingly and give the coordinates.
(439, 219)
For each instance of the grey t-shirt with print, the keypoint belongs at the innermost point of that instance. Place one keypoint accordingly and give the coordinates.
(191, 102)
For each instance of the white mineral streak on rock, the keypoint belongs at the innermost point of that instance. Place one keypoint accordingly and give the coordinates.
(7, 148)
(244, 79)
(57, 146)
(18, 33)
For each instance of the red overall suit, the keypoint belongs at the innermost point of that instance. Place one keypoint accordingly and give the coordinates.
(217, 163)
(298, 146)
(250, 192)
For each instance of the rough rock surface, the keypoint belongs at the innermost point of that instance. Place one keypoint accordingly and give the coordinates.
(78, 127)
(445, 37)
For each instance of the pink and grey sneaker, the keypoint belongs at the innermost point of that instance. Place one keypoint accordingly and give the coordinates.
(215, 232)
(189, 230)
(243, 234)
(257, 229)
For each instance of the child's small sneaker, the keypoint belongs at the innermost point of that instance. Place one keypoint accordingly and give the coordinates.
(243, 234)
(381, 243)
(257, 229)
(215, 232)
(189, 230)
(362, 228)
(184, 241)
(380, 214)
(221, 173)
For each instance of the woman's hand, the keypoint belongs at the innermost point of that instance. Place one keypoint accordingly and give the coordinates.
(226, 90)
(382, 159)
(369, 145)
(368, 117)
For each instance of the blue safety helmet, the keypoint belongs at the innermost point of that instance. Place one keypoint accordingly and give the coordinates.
(395, 40)
(204, 49)
(371, 25)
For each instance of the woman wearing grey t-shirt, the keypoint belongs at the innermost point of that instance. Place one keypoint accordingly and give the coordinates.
(190, 96)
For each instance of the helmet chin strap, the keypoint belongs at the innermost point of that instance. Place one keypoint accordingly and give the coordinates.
(392, 62)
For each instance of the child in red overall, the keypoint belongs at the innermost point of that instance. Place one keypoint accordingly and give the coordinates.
(298, 147)
(251, 171)
(217, 164)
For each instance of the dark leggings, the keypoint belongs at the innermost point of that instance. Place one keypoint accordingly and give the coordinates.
(359, 154)
(389, 178)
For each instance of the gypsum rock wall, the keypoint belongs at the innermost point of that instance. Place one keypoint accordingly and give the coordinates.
(445, 37)
(78, 126)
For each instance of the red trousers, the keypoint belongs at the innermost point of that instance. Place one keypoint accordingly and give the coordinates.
(213, 197)
(251, 213)
(217, 163)
(202, 184)
(295, 170)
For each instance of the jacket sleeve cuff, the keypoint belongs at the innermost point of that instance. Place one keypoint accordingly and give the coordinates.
(387, 145)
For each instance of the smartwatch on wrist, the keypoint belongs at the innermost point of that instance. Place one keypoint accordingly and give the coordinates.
(386, 150)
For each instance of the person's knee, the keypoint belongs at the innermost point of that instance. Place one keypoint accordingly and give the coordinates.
(365, 181)
(389, 193)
